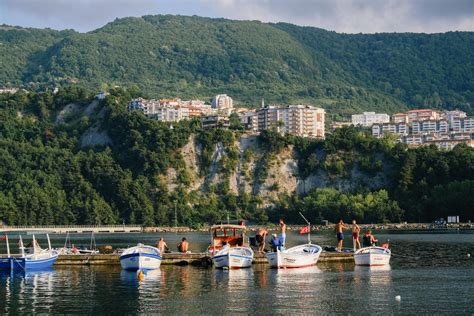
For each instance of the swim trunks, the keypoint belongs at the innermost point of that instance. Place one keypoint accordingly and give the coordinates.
(282, 239)
(355, 235)
(340, 236)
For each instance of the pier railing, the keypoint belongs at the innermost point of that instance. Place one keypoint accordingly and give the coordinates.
(74, 228)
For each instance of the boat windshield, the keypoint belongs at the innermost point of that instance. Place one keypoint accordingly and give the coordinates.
(233, 235)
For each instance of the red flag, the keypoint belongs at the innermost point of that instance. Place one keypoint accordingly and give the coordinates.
(3, 237)
(304, 230)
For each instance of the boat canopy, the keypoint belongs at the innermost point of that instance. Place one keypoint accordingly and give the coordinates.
(227, 226)
(233, 235)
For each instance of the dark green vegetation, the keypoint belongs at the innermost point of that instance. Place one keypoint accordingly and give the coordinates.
(198, 57)
(46, 177)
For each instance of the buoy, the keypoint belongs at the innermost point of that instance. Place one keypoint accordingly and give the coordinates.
(468, 255)
(398, 298)
(141, 275)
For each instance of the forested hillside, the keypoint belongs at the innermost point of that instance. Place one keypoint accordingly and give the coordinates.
(68, 159)
(199, 57)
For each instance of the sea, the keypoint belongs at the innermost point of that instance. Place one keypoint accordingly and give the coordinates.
(431, 272)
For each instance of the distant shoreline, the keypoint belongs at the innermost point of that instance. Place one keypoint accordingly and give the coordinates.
(330, 227)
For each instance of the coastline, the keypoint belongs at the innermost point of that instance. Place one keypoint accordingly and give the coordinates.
(330, 227)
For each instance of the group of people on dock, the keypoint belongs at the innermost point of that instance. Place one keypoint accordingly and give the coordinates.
(277, 242)
(183, 246)
(367, 240)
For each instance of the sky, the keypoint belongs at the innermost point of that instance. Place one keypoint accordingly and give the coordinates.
(345, 16)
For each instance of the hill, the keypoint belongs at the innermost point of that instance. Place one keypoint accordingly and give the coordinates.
(66, 158)
(199, 57)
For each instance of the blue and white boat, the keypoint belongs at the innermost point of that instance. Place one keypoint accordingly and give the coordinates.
(141, 257)
(5, 263)
(233, 258)
(34, 257)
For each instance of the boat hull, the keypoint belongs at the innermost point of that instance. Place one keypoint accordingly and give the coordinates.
(233, 258)
(140, 261)
(33, 264)
(372, 256)
(5, 264)
(286, 259)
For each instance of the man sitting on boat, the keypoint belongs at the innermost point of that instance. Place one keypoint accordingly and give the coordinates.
(369, 240)
(275, 243)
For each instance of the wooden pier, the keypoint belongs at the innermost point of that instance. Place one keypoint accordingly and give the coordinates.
(197, 259)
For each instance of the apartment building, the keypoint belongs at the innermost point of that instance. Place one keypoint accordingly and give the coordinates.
(169, 110)
(301, 120)
(416, 115)
(421, 128)
(394, 128)
(367, 119)
(429, 127)
(222, 102)
(250, 120)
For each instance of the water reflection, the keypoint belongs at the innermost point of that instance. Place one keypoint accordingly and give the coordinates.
(32, 289)
(445, 286)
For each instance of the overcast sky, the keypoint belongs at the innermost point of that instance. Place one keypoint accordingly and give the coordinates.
(349, 16)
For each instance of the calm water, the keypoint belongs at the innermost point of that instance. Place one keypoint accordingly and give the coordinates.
(431, 272)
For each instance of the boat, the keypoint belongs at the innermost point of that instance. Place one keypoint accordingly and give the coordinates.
(233, 258)
(140, 257)
(229, 247)
(296, 257)
(372, 256)
(93, 247)
(5, 263)
(34, 257)
(305, 255)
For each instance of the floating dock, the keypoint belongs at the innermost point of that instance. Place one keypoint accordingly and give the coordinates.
(198, 259)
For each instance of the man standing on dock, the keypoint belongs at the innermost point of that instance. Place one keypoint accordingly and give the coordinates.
(260, 238)
(340, 235)
(355, 235)
(283, 233)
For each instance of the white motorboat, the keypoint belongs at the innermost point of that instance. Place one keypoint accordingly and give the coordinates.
(229, 247)
(141, 257)
(296, 257)
(233, 258)
(93, 247)
(372, 256)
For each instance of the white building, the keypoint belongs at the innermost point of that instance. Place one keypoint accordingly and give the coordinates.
(223, 103)
(301, 120)
(165, 110)
(367, 119)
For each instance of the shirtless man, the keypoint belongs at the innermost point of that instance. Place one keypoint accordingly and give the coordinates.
(283, 232)
(183, 245)
(355, 235)
(162, 246)
(340, 235)
(260, 237)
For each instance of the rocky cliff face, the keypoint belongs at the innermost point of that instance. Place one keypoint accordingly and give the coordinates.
(279, 175)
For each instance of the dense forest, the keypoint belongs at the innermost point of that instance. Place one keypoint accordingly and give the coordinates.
(49, 175)
(198, 57)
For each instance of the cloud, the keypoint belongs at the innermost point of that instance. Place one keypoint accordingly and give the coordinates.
(350, 16)
(354, 16)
